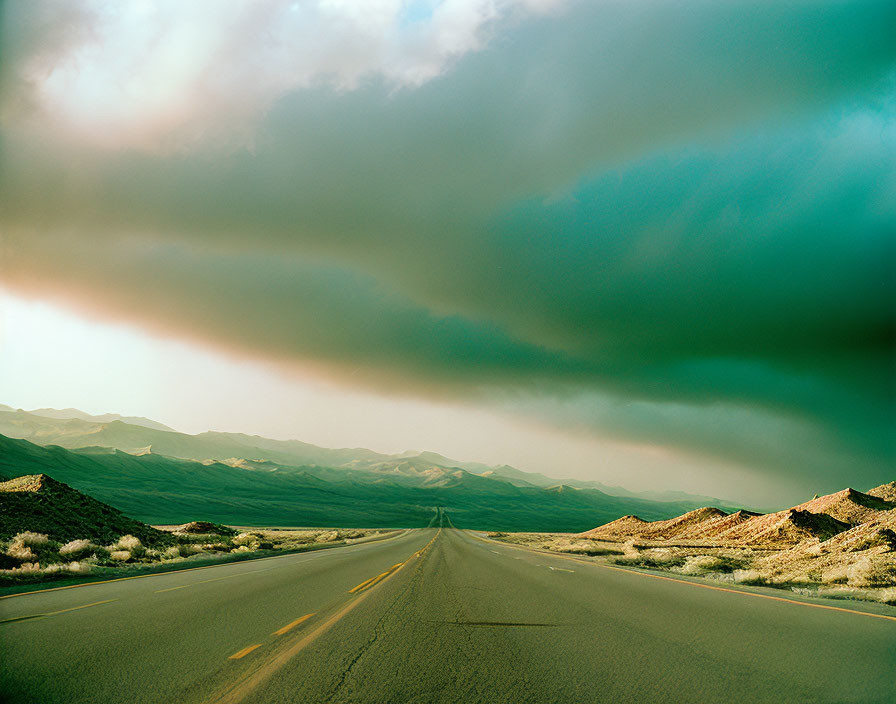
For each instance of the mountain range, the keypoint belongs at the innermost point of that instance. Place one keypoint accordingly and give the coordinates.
(161, 476)
(73, 429)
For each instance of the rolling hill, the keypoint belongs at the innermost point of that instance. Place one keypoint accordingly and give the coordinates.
(73, 429)
(821, 518)
(40, 503)
(158, 489)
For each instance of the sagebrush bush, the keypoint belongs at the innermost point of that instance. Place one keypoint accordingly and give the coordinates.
(701, 564)
(33, 547)
(23, 553)
(662, 559)
(69, 567)
(188, 549)
(887, 596)
(249, 540)
(77, 549)
(27, 567)
(132, 544)
(31, 540)
(748, 577)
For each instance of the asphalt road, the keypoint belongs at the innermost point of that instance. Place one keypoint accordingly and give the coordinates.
(433, 616)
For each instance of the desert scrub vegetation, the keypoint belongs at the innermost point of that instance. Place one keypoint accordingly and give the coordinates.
(29, 556)
(558, 542)
(866, 570)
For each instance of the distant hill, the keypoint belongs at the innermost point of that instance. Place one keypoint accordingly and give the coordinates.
(41, 504)
(166, 490)
(74, 429)
(70, 413)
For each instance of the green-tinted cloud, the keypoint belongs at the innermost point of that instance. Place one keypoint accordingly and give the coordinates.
(671, 223)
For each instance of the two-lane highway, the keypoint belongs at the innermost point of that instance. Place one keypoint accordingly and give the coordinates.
(152, 639)
(434, 616)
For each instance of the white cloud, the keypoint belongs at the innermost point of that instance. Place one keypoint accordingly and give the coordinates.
(167, 73)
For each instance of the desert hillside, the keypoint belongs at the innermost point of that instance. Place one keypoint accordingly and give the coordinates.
(839, 545)
(815, 521)
(41, 504)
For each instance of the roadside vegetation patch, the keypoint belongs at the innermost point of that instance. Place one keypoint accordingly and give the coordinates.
(29, 556)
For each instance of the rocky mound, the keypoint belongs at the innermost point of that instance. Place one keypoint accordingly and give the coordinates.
(204, 528)
(714, 527)
(633, 527)
(887, 492)
(625, 527)
(849, 506)
(39, 503)
(682, 525)
(786, 527)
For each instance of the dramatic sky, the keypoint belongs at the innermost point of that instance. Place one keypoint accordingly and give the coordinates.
(646, 242)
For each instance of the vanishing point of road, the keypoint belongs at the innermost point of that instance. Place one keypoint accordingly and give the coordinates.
(434, 615)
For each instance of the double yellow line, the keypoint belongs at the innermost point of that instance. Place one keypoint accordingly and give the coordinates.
(368, 583)
(242, 688)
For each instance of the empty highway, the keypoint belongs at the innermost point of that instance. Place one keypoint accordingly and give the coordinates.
(433, 615)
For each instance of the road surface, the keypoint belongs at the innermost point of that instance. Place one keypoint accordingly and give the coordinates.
(433, 615)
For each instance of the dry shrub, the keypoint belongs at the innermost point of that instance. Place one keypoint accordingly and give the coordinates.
(661, 558)
(28, 547)
(31, 540)
(215, 547)
(188, 549)
(130, 543)
(701, 564)
(121, 555)
(747, 577)
(21, 552)
(887, 596)
(248, 540)
(77, 549)
(70, 567)
(27, 568)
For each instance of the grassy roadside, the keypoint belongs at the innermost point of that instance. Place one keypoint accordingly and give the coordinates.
(11, 587)
(738, 568)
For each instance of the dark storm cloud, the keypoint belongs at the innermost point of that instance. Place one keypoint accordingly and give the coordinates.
(671, 222)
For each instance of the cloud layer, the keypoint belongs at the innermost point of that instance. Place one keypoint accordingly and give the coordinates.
(672, 223)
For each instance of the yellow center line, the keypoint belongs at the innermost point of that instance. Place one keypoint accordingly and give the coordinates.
(742, 592)
(290, 626)
(378, 578)
(361, 585)
(244, 652)
(239, 690)
(367, 583)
